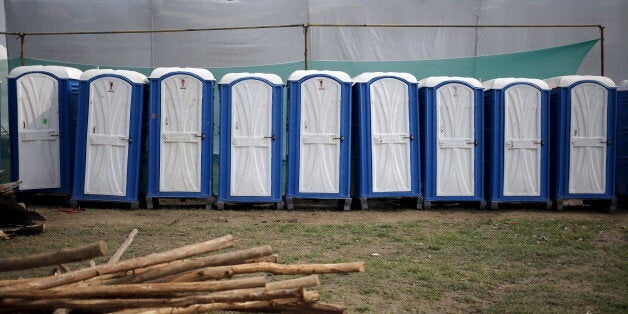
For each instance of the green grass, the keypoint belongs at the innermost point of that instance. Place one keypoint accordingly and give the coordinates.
(568, 263)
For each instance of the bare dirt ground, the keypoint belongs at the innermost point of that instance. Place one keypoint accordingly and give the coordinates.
(443, 260)
(65, 218)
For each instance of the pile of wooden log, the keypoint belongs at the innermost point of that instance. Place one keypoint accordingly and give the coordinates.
(171, 281)
(15, 219)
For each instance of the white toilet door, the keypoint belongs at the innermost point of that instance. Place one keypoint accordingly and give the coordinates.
(107, 148)
(251, 138)
(390, 135)
(522, 141)
(38, 132)
(319, 164)
(180, 134)
(587, 146)
(455, 148)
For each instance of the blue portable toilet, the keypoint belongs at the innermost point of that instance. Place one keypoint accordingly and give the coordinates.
(516, 113)
(109, 136)
(452, 140)
(622, 140)
(180, 134)
(250, 139)
(386, 136)
(319, 136)
(42, 113)
(583, 139)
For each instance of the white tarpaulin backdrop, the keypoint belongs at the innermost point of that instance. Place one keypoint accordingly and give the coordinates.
(273, 46)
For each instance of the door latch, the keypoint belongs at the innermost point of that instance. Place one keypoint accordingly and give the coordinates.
(56, 135)
(341, 138)
(606, 141)
(542, 142)
(272, 137)
(202, 135)
(130, 140)
(411, 137)
(474, 142)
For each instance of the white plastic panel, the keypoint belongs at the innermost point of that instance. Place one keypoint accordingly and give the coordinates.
(587, 147)
(107, 146)
(390, 135)
(455, 140)
(522, 141)
(251, 132)
(319, 164)
(180, 134)
(38, 132)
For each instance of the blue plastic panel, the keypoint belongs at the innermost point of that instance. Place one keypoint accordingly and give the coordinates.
(429, 125)
(224, 190)
(294, 141)
(363, 165)
(154, 128)
(560, 115)
(138, 97)
(68, 90)
(494, 116)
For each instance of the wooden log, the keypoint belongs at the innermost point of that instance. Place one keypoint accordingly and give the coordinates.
(99, 280)
(6, 187)
(201, 308)
(135, 290)
(182, 266)
(9, 282)
(298, 283)
(116, 256)
(301, 282)
(307, 308)
(66, 255)
(152, 259)
(273, 258)
(109, 304)
(269, 259)
(271, 268)
(311, 296)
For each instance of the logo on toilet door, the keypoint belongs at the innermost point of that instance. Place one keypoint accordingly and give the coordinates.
(110, 90)
(320, 85)
(182, 84)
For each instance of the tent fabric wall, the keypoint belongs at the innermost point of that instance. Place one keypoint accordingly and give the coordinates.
(277, 46)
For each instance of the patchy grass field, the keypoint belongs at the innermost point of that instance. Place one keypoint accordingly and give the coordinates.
(447, 260)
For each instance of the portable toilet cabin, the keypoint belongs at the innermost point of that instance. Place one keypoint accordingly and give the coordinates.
(622, 140)
(319, 136)
(109, 136)
(516, 113)
(250, 139)
(42, 114)
(180, 134)
(452, 140)
(583, 139)
(386, 137)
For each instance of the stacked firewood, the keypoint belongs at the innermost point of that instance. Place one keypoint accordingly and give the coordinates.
(15, 219)
(171, 281)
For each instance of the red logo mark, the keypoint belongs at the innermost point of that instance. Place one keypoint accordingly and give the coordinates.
(182, 84)
(110, 87)
(320, 83)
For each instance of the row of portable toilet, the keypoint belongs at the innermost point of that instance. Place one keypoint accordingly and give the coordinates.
(397, 143)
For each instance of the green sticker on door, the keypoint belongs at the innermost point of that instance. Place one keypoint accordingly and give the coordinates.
(45, 121)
